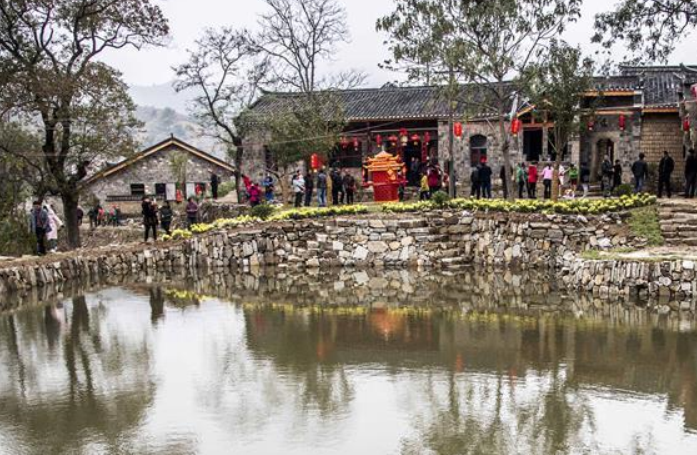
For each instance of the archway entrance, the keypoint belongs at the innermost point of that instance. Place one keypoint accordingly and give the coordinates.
(478, 149)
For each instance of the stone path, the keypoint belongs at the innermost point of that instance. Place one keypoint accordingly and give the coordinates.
(678, 218)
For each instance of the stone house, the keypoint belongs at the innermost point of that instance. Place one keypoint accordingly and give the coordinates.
(641, 109)
(150, 172)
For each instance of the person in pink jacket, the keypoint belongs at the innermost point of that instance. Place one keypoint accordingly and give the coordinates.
(532, 181)
(547, 179)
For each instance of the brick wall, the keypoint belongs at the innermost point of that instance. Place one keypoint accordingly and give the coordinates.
(662, 132)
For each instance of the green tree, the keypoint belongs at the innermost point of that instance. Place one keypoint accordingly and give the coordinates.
(490, 45)
(49, 52)
(647, 29)
(556, 86)
(178, 163)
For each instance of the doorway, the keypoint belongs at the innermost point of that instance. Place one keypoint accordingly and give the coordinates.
(532, 144)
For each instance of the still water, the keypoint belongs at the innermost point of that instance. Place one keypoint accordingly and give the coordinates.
(350, 363)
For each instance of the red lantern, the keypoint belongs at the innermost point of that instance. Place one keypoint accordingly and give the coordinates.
(315, 162)
(344, 142)
(378, 140)
(591, 125)
(623, 122)
(686, 125)
(457, 129)
(515, 126)
(355, 143)
(693, 89)
(415, 138)
(393, 140)
(427, 138)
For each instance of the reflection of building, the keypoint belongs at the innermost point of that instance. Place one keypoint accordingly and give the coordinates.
(638, 110)
(642, 359)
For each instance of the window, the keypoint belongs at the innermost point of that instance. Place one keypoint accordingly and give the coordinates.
(347, 157)
(160, 189)
(137, 189)
(478, 145)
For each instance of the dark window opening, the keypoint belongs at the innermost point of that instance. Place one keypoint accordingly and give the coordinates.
(532, 145)
(347, 157)
(137, 189)
(160, 189)
(478, 149)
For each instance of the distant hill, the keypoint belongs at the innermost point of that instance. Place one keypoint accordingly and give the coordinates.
(163, 111)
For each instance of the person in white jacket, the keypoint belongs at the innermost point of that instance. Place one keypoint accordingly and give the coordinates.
(56, 224)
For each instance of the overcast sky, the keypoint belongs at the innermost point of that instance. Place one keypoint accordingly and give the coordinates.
(189, 17)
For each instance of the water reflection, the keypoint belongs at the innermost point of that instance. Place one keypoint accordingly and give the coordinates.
(348, 362)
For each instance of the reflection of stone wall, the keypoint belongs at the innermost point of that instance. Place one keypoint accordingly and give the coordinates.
(443, 240)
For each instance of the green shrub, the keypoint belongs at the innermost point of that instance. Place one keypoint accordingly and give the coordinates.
(623, 190)
(262, 211)
(15, 238)
(644, 222)
(440, 198)
(226, 188)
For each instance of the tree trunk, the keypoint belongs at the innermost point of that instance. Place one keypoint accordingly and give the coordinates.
(238, 172)
(507, 165)
(285, 187)
(70, 202)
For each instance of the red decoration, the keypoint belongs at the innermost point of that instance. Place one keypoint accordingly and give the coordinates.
(515, 126)
(686, 125)
(591, 125)
(457, 129)
(416, 138)
(378, 140)
(315, 162)
(355, 143)
(427, 138)
(344, 142)
(623, 122)
(393, 139)
(694, 91)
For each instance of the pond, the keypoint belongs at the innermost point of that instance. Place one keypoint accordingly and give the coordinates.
(380, 362)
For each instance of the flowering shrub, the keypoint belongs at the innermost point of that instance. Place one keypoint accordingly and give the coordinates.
(294, 214)
(574, 206)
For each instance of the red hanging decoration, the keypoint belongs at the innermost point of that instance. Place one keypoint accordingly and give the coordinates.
(344, 142)
(315, 162)
(515, 126)
(623, 122)
(457, 129)
(355, 143)
(393, 140)
(693, 89)
(591, 125)
(416, 138)
(686, 125)
(378, 140)
(427, 138)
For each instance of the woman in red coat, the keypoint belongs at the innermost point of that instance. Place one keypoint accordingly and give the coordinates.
(532, 181)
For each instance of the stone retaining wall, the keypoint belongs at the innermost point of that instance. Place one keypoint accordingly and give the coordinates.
(444, 240)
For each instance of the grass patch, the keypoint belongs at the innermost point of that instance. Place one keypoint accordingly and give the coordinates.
(643, 222)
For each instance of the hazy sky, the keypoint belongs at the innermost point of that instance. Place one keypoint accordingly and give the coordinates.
(189, 17)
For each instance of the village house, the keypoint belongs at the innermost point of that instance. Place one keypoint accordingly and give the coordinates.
(640, 110)
(151, 172)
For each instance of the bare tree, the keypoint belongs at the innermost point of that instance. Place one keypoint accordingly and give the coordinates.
(48, 57)
(225, 72)
(296, 36)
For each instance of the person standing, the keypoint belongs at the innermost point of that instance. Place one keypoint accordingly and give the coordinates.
(335, 175)
(609, 176)
(192, 210)
(424, 193)
(547, 178)
(573, 179)
(56, 224)
(215, 181)
(665, 173)
(309, 187)
(504, 181)
(485, 173)
(476, 183)
(585, 179)
(640, 170)
(298, 189)
(522, 178)
(350, 187)
(268, 185)
(322, 188)
(435, 179)
(532, 181)
(691, 174)
(617, 172)
(166, 216)
(80, 215)
(39, 225)
(562, 177)
(149, 211)
(254, 194)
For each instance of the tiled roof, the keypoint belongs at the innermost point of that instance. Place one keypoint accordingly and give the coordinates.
(387, 103)
(661, 85)
(616, 84)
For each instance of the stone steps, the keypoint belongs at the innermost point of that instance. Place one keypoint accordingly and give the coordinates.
(678, 221)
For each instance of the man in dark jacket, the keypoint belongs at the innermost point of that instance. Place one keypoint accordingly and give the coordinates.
(337, 187)
(665, 172)
(640, 170)
(149, 211)
(485, 173)
(691, 174)
(166, 215)
(39, 226)
(476, 183)
(309, 186)
(215, 181)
